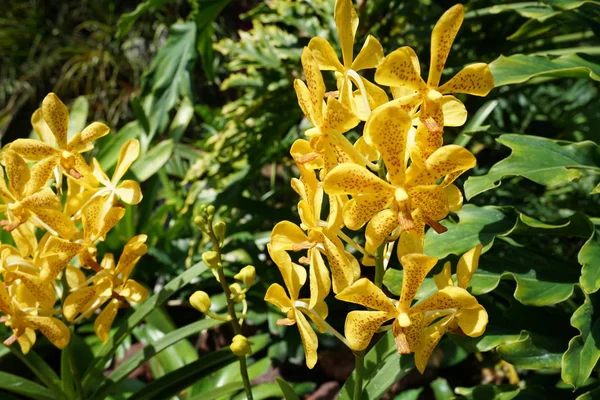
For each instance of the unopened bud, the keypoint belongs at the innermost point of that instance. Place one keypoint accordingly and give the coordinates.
(246, 275)
(237, 293)
(200, 301)
(240, 346)
(210, 210)
(220, 229)
(211, 259)
(200, 221)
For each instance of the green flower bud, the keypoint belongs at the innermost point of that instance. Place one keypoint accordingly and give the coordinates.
(220, 229)
(237, 293)
(200, 221)
(210, 210)
(200, 301)
(246, 275)
(240, 346)
(211, 259)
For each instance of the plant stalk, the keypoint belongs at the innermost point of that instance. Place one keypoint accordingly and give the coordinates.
(237, 328)
(359, 369)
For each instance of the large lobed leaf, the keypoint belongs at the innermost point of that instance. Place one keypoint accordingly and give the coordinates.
(544, 161)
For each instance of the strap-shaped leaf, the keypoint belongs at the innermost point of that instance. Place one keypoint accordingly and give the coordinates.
(174, 382)
(520, 68)
(383, 367)
(24, 387)
(94, 374)
(149, 351)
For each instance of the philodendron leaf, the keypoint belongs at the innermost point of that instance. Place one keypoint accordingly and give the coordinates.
(589, 258)
(532, 352)
(480, 225)
(583, 353)
(542, 279)
(520, 68)
(544, 161)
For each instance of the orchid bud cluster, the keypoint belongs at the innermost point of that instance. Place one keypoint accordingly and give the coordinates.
(395, 181)
(235, 293)
(55, 233)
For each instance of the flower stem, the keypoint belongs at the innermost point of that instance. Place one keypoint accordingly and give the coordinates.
(237, 328)
(359, 370)
(379, 265)
(380, 254)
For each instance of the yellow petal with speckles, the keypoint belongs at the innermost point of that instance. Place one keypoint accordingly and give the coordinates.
(56, 331)
(56, 115)
(399, 69)
(105, 319)
(309, 339)
(467, 265)
(416, 267)
(325, 55)
(474, 79)
(285, 235)
(320, 282)
(370, 55)
(387, 131)
(277, 296)
(346, 21)
(360, 327)
(379, 228)
(355, 180)
(442, 38)
(365, 293)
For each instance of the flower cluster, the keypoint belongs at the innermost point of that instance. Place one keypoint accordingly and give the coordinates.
(55, 233)
(395, 180)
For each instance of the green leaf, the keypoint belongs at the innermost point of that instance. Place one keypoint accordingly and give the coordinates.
(477, 225)
(169, 77)
(24, 387)
(221, 392)
(210, 10)
(269, 390)
(149, 351)
(489, 392)
(441, 389)
(532, 352)
(544, 161)
(127, 20)
(94, 373)
(383, 367)
(39, 367)
(584, 349)
(110, 145)
(520, 68)
(589, 258)
(287, 390)
(78, 114)
(411, 394)
(148, 164)
(184, 377)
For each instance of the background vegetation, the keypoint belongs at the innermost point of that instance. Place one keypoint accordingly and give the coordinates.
(206, 86)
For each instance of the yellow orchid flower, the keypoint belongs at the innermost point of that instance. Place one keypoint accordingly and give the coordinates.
(51, 124)
(111, 284)
(400, 69)
(329, 119)
(128, 191)
(294, 277)
(360, 326)
(413, 197)
(369, 96)
(24, 316)
(27, 199)
(417, 328)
